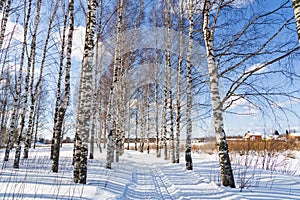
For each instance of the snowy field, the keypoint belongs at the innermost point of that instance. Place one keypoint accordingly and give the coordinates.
(142, 176)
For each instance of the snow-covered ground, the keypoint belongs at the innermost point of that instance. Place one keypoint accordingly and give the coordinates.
(142, 176)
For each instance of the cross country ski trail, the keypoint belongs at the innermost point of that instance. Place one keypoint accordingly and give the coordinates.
(160, 181)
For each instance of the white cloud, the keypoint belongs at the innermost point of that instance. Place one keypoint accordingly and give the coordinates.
(241, 106)
(259, 67)
(14, 30)
(77, 43)
(241, 3)
(236, 101)
(288, 103)
(198, 4)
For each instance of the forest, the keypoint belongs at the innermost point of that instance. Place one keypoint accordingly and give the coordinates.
(153, 73)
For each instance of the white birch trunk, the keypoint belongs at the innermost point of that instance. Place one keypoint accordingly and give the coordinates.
(124, 111)
(128, 112)
(120, 109)
(37, 118)
(110, 147)
(178, 98)
(217, 107)
(110, 130)
(2, 2)
(65, 101)
(296, 6)
(84, 112)
(28, 89)
(148, 117)
(166, 82)
(22, 116)
(17, 97)
(164, 120)
(4, 20)
(59, 80)
(157, 139)
(169, 99)
(98, 74)
(33, 95)
(93, 108)
(111, 114)
(142, 122)
(4, 110)
(136, 126)
(39, 81)
(188, 151)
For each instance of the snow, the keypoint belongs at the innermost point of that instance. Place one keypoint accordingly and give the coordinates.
(296, 134)
(143, 176)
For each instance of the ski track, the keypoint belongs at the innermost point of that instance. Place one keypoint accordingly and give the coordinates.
(163, 181)
(132, 180)
(139, 176)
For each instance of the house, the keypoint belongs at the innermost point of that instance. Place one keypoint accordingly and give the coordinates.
(253, 136)
(293, 136)
(273, 135)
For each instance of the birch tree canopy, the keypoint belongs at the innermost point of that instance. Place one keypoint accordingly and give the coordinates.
(150, 74)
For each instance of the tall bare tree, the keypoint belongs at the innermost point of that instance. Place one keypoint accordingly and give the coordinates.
(136, 124)
(4, 19)
(31, 64)
(59, 79)
(243, 59)
(65, 100)
(111, 112)
(85, 97)
(157, 138)
(296, 5)
(166, 87)
(188, 156)
(208, 32)
(142, 117)
(17, 94)
(2, 3)
(178, 86)
(37, 87)
(168, 83)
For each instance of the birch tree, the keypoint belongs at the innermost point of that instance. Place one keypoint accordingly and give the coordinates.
(2, 2)
(85, 97)
(17, 94)
(136, 124)
(31, 60)
(188, 151)
(101, 91)
(59, 79)
(157, 138)
(242, 59)
(4, 19)
(65, 100)
(40, 114)
(33, 94)
(97, 96)
(178, 86)
(28, 88)
(158, 133)
(296, 6)
(37, 87)
(142, 119)
(166, 87)
(226, 170)
(112, 95)
(5, 100)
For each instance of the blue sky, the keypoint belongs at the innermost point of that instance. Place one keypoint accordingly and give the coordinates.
(234, 124)
(258, 116)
